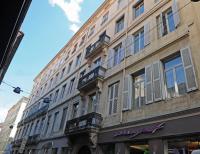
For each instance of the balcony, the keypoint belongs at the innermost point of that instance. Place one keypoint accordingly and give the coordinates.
(84, 125)
(17, 143)
(33, 140)
(97, 47)
(90, 80)
(42, 111)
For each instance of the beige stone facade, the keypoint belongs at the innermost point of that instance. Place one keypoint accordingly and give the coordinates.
(9, 126)
(154, 42)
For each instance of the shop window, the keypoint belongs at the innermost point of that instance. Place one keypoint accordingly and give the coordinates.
(64, 150)
(113, 98)
(174, 77)
(142, 148)
(184, 146)
(54, 150)
(139, 89)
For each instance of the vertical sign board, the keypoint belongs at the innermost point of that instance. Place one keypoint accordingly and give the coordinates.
(23, 145)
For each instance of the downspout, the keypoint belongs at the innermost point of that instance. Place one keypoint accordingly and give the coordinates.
(124, 68)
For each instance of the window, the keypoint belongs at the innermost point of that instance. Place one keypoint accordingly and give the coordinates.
(50, 97)
(92, 106)
(105, 18)
(138, 9)
(30, 131)
(119, 2)
(78, 60)
(51, 81)
(56, 96)
(69, 67)
(97, 62)
(91, 31)
(117, 54)
(64, 150)
(138, 41)
(63, 91)
(75, 47)
(139, 89)
(56, 78)
(119, 25)
(55, 122)
(36, 127)
(41, 124)
(113, 98)
(62, 74)
(82, 41)
(165, 23)
(45, 87)
(71, 86)
(54, 150)
(48, 123)
(64, 117)
(75, 110)
(174, 77)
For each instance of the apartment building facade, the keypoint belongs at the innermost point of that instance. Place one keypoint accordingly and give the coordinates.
(9, 126)
(126, 83)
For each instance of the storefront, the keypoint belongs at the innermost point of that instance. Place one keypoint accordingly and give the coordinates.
(177, 133)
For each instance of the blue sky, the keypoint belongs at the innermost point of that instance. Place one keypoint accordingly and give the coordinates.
(48, 25)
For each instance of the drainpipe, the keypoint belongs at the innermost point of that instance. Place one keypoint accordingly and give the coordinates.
(124, 68)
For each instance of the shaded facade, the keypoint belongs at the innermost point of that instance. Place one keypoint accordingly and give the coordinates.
(127, 82)
(11, 36)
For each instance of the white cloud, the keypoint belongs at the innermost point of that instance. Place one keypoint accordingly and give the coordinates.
(74, 28)
(72, 9)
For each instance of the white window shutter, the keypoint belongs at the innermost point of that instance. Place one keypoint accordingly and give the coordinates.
(147, 34)
(127, 93)
(110, 58)
(175, 11)
(161, 24)
(122, 51)
(129, 45)
(148, 84)
(157, 81)
(190, 75)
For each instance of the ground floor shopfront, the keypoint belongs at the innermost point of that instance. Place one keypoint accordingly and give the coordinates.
(177, 133)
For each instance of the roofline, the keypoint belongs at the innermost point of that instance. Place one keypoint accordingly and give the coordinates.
(74, 36)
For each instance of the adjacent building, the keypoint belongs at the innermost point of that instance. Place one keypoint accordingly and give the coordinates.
(126, 83)
(11, 36)
(9, 126)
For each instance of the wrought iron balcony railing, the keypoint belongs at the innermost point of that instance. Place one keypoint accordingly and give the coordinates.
(34, 115)
(84, 124)
(17, 143)
(97, 46)
(33, 140)
(90, 79)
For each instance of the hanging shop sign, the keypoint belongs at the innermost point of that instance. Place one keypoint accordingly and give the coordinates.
(132, 133)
